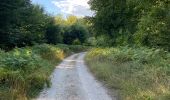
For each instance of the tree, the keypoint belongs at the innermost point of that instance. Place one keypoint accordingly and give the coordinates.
(71, 20)
(10, 10)
(53, 33)
(110, 16)
(31, 28)
(59, 20)
(21, 23)
(131, 22)
(154, 27)
(75, 32)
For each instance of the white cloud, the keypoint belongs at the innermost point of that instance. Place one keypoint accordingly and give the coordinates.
(75, 7)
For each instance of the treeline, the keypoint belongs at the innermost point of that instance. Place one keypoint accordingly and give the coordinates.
(24, 24)
(132, 22)
(70, 30)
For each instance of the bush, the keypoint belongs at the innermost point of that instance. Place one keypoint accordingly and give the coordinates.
(91, 41)
(103, 40)
(25, 71)
(76, 42)
(137, 73)
(75, 48)
(49, 52)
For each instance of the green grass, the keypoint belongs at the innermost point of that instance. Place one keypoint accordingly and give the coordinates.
(137, 73)
(25, 71)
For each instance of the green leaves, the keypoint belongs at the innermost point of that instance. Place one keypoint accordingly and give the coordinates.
(21, 24)
(153, 28)
(133, 22)
(75, 31)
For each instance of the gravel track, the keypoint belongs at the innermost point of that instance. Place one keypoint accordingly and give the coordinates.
(71, 80)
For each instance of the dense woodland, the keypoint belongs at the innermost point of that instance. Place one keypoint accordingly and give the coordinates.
(131, 41)
(133, 22)
(23, 24)
(125, 22)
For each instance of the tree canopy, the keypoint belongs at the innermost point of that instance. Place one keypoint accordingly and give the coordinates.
(141, 22)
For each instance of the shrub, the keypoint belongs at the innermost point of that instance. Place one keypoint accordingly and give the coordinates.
(75, 48)
(76, 42)
(49, 52)
(25, 71)
(137, 73)
(17, 66)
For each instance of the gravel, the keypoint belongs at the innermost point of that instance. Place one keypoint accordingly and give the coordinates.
(71, 80)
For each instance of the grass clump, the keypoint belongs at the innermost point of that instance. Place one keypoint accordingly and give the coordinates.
(25, 71)
(137, 73)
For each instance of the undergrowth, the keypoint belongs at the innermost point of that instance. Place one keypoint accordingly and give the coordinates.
(25, 71)
(137, 73)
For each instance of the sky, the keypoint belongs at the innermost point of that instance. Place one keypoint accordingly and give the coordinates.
(65, 7)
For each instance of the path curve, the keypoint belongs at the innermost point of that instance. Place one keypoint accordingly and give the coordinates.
(71, 80)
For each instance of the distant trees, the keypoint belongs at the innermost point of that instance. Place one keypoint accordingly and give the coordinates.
(75, 34)
(71, 30)
(141, 22)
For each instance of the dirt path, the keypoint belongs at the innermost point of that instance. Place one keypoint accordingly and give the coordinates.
(72, 81)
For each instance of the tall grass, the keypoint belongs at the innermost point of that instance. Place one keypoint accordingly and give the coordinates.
(137, 73)
(25, 71)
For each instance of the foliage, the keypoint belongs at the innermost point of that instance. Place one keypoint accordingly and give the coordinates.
(54, 33)
(24, 24)
(109, 17)
(75, 48)
(137, 73)
(76, 42)
(71, 20)
(25, 71)
(154, 28)
(21, 76)
(71, 30)
(91, 41)
(133, 22)
(76, 31)
(21, 23)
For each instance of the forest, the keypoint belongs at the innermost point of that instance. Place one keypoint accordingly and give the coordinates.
(127, 44)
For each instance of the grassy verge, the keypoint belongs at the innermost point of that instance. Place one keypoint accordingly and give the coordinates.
(25, 71)
(137, 73)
